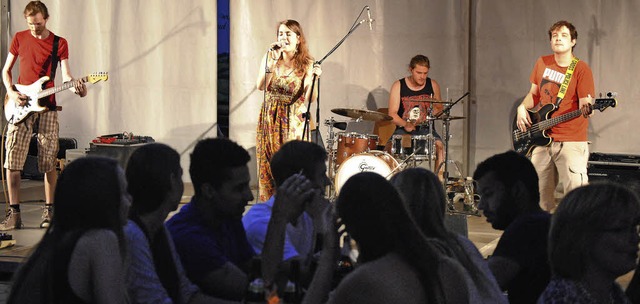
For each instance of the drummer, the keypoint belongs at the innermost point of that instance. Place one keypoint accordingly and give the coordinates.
(410, 106)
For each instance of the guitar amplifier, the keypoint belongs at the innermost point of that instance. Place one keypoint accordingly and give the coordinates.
(619, 168)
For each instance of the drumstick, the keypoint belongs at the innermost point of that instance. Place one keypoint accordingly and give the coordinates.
(400, 165)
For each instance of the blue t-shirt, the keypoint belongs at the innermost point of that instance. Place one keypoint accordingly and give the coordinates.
(202, 248)
(143, 283)
(299, 239)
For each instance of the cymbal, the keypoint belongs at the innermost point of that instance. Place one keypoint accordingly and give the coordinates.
(431, 100)
(340, 125)
(444, 118)
(451, 117)
(362, 114)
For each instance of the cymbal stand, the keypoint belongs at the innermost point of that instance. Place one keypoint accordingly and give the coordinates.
(431, 142)
(446, 111)
(331, 154)
(469, 196)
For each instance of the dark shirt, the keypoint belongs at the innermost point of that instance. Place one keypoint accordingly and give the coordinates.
(525, 242)
(203, 249)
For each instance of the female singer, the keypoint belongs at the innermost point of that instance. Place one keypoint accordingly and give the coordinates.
(286, 73)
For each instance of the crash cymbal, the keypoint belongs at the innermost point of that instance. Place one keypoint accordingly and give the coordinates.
(362, 114)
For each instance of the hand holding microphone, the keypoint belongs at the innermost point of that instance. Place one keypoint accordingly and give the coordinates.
(275, 49)
(277, 45)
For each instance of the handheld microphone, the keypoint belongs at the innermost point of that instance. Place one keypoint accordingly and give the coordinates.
(278, 45)
(370, 20)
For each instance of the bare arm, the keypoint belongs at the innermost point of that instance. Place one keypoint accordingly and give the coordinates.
(394, 105)
(288, 205)
(7, 79)
(584, 104)
(79, 87)
(269, 62)
(523, 120)
(227, 282)
(96, 271)
(437, 107)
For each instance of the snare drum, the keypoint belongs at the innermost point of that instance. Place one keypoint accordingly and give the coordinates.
(422, 146)
(375, 161)
(400, 146)
(354, 143)
(396, 146)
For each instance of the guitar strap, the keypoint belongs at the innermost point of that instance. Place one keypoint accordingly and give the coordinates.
(54, 56)
(567, 79)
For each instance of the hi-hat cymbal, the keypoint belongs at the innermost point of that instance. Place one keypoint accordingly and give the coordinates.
(443, 118)
(340, 125)
(451, 117)
(362, 114)
(431, 100)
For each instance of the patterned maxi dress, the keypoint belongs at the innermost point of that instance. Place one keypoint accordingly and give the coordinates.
(280, 120)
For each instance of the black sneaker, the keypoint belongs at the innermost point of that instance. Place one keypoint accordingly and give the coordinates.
(47, 213)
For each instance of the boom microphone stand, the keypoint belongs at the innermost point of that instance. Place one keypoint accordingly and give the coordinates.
(307, 116)
(446, 110)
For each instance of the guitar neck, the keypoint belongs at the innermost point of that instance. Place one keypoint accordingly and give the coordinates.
(549, 123)
(60, 88)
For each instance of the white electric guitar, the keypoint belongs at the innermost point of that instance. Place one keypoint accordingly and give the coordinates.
(14, 113)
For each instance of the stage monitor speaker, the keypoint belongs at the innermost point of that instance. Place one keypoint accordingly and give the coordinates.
(618, 168)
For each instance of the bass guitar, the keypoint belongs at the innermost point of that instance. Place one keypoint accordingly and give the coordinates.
(14, 113)
(541, 121)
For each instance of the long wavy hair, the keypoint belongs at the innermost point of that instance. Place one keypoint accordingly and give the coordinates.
(88, 196)
(424, 196)
(374, 215)
(301, 58)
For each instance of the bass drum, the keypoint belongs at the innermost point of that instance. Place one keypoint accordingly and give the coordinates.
(374, 161)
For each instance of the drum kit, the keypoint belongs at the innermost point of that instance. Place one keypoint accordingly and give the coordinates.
(353, 152)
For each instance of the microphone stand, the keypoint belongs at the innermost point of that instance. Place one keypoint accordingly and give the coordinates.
(446, 109)
(307, 116)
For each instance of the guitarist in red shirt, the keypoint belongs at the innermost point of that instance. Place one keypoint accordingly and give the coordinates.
(34, 47)
(565, 158)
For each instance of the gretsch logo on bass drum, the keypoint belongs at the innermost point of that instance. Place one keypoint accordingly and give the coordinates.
(364, 167)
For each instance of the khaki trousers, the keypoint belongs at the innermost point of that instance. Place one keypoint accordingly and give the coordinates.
(564, 162)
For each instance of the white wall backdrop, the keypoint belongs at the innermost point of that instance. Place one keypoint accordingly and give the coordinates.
(161, 57)
(360, 73)
(485, 46)
(509, 38)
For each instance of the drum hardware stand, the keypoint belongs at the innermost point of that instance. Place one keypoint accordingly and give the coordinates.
(431, 141)
(331, 156)
(469, 195)
(446, 110)
(307, 118)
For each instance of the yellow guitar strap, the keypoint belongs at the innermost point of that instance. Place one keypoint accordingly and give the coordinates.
(567, 79)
